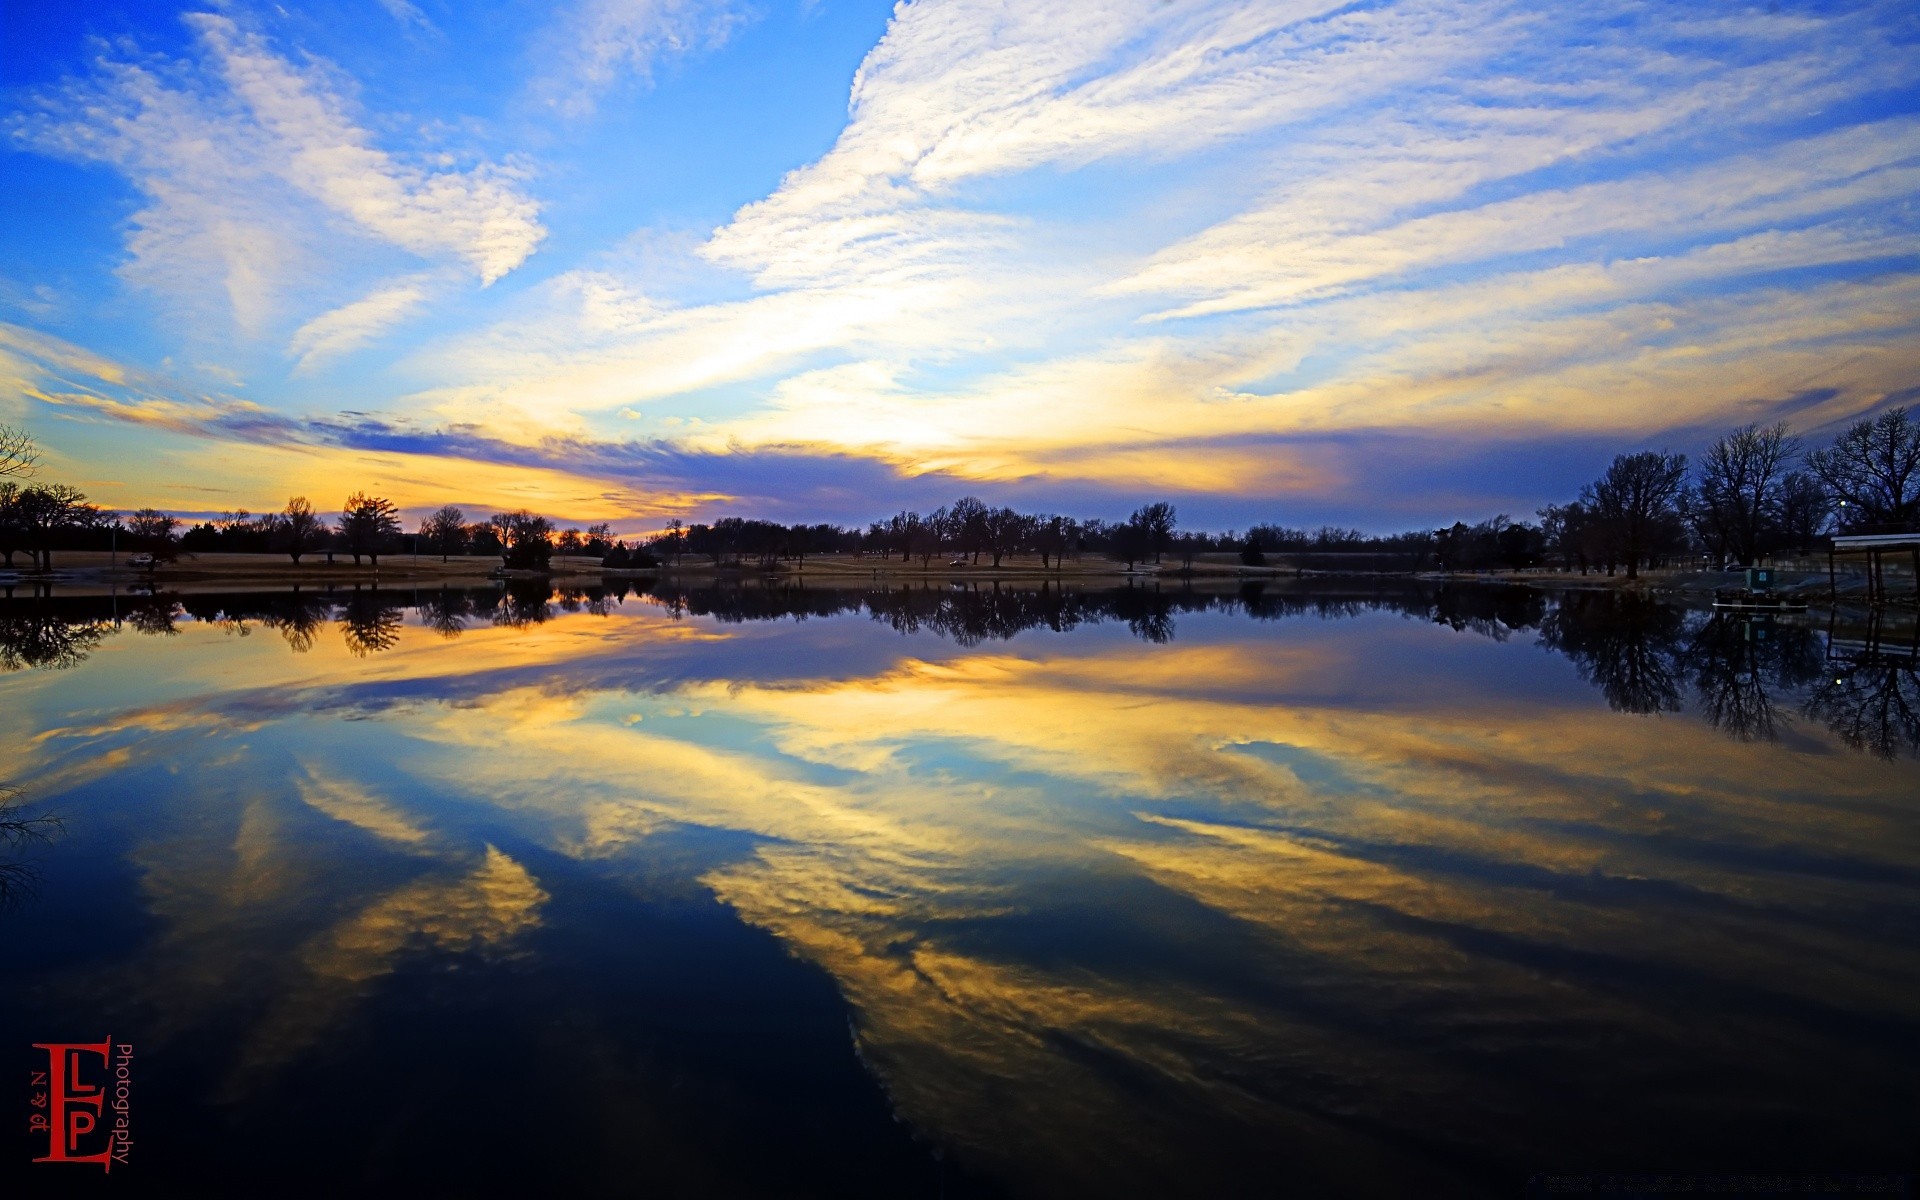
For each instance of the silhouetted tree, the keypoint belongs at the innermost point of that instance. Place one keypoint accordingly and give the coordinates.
(1804, 510)
(525, 539)
(155, 616)
(18, 453)
(1634, 500)
(298, 529)
(153, 533)
(967, 525)
(18, 831)
(368, 525)
(13, 528)
(1872, 471)
(445, 530)
(1736, 503)
(446, 611)
(47, 511)
(1154, 525)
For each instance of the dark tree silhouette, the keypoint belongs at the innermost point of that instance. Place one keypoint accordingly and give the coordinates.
(156, 535)
(368, 525)
(445, 530)
(1737, 501)
(155, 616)
(1872, 471)
(525, 539)
(1634, 501)
(19, 455)
(45, 512)
(298, 529)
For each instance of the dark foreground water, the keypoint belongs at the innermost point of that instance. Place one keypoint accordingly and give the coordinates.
(800, 892)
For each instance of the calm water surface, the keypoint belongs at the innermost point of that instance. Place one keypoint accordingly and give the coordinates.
(782, 891)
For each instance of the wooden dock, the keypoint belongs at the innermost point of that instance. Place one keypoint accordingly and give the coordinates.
(1875, 546)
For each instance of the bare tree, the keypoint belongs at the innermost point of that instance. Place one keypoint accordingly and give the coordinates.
(1872, 471)
(1737, 491)
(298, 529)
(13, 528)
(524, 539)
(967, 524)
(1001, 529)
(445, 529)
(1155, 523)
(1634, 500)
(18, 453)
(157, 535)
(368, 524)
(45, 511)
(1804, 509)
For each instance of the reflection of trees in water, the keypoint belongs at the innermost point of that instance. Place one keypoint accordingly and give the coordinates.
(1872, 702)
(297, 618)
(446, 612)
(1740, 663)
(521, 604)
(974, 613)
(1644, 656)
(20, 832)
(370, 622)
(1746, 674)
(1627, 646)
(36, 635)
(155, 616)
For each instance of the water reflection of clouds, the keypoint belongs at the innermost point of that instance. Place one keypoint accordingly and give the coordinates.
(1369, 925)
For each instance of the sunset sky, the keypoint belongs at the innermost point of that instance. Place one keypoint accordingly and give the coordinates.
(1295, 260)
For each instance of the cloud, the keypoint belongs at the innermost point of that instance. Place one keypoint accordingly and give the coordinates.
(1086, 248)
(1115, 244)
(353, 325)
(259, 180)
(598, 42)
(408, 15)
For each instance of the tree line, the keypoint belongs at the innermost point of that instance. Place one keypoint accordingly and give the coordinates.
(1756, 492)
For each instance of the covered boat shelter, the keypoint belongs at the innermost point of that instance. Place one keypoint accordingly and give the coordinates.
(1876, 547)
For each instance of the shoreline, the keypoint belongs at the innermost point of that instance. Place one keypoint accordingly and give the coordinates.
(78, 572)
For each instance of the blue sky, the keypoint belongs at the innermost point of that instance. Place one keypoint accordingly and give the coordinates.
(633, 259)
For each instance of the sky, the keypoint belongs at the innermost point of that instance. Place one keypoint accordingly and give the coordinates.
(1383, 264)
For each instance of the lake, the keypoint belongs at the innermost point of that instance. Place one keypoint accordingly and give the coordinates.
(1316, 888)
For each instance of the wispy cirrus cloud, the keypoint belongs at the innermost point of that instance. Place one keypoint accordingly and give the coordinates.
(260, 181)
(354, 324)
(595, 44)
(1091, 247)
(1112, 243)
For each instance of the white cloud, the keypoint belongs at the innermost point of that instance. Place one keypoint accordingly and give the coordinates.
(259, 181)
(353, 325)
(409, 15)
(950, 287)
(598, 42)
